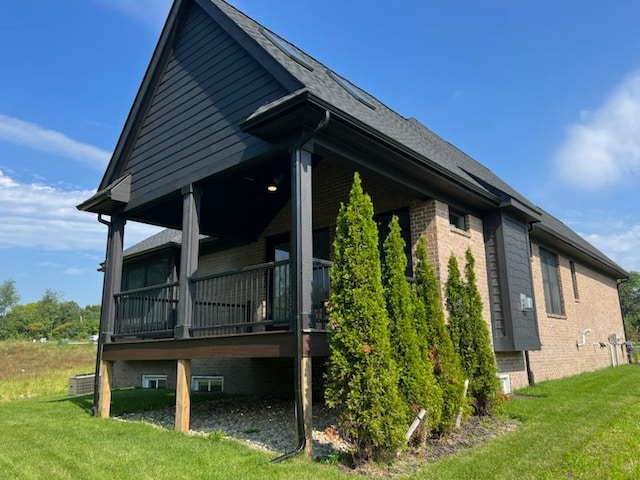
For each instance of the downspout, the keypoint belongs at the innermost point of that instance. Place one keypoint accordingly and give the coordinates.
(300, 428)
(96, 377)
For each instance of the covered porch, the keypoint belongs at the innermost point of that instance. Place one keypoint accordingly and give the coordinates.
(252, 299)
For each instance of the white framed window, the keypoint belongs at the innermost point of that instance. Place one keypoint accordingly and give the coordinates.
(207, 383)
(154, 381)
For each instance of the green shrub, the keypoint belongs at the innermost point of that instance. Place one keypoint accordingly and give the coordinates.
(416, 385)
(362, 379)
(470, 335)
(436, 344)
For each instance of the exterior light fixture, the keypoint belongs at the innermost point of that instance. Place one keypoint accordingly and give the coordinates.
(272, 186)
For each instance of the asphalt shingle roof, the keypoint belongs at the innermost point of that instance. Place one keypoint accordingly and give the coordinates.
(325, 84)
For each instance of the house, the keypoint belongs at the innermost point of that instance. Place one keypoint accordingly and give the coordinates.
(243, 147)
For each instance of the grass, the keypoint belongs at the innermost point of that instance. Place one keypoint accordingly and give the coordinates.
(34, 369)
(586, 426)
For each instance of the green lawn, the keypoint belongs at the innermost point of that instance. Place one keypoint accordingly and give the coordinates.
(582, 427)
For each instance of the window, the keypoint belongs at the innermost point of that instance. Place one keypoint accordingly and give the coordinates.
(288, 48)
(154, 381)
(146, 274)
(574, 280)
(551, 282)
(355, 91)
(209, 384)
(458, 219)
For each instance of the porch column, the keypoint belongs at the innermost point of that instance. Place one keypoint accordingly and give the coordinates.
(112, 282)
(183, 395)
(188, 258)
(302, 280)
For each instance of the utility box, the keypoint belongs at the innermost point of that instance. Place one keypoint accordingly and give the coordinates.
(81, 384)
(505, 383)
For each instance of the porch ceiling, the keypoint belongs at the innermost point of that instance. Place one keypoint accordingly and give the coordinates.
(234, 205)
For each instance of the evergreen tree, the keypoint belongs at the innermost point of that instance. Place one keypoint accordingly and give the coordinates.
(438, 346)
(459, 327)
(416, 385)
(362, 379)
(484, 386)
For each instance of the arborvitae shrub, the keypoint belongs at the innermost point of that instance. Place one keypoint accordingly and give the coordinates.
(416, 383)
(362, 378)
(460, 329)
(439, 348)
(484, 386)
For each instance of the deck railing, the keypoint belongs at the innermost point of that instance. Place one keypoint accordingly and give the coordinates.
(250, 299)
(147, 310)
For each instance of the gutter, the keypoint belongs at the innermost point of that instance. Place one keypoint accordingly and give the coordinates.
(300, 427)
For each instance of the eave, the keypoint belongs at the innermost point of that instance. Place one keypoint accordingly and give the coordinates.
(112, 198)
(284, 117)
(554, 240)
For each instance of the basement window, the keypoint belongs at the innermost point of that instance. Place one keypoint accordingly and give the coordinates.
(207, 384)
(154, 381)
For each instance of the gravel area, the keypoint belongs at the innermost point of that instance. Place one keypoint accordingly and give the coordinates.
(265, 424)
(270, 425)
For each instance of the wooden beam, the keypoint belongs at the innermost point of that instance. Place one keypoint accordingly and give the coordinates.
(183, 395)
(256, 345)
(106, 377)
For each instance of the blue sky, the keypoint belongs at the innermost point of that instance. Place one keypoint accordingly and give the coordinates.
(546, 94)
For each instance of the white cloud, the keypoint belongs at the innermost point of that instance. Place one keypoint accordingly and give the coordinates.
(151, 12)
(74, 271)
(603, 148)
(34, 136)
(618, 237)
(45, 217)
(622, 246)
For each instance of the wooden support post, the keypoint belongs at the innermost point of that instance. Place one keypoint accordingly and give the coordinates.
(183, 395)
(307, 399)
(106, 377)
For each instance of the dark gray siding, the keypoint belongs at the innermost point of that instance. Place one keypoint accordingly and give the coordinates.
(509, 271)
(495, 290)
(518, 262)
(190, 131)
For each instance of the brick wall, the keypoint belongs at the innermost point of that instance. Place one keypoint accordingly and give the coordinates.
(597, 308)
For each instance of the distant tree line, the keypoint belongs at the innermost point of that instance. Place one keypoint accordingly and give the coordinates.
(630, 303)
(51, 317)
